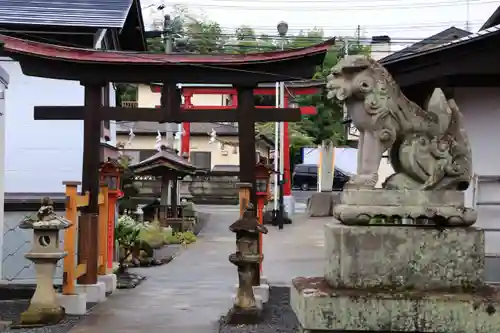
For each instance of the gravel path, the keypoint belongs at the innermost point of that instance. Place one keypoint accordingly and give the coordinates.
(11, 311)
(278, 316)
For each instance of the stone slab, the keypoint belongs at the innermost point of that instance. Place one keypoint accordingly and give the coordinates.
(96, 293)
(382, 197)
(289, 203)
(367, 206)
(423, 258)
(320, 307)
(4, 324)
(320, 204)
(110, 281)
(73, 304)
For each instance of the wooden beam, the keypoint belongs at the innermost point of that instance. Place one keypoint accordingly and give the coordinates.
(88, 231)
(246, 138)
(155, 114)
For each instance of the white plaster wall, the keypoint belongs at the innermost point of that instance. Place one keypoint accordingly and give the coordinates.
(148, 99)
(380, 50)
(4, 79)
(481, 110)
(41, 154)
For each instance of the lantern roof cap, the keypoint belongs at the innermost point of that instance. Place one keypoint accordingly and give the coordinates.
(248, 223)
(46, 218)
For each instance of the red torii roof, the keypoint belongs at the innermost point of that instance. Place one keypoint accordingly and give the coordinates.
(254, 67)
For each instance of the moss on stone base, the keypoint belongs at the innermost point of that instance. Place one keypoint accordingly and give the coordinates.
(42, 315)
(321, 307)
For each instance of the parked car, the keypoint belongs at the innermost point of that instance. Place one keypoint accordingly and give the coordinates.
(305, 177)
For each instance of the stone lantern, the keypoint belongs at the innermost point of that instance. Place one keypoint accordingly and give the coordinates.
(247, 258)
(45, 253)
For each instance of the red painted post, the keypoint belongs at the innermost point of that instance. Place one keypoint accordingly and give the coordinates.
(260, 216)
(186, 129)
(287, 187)
(112, 196)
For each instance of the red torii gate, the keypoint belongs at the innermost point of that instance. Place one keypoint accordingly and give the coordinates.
(293, 88)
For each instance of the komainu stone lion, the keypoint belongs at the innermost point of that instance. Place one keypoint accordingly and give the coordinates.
(428, 149)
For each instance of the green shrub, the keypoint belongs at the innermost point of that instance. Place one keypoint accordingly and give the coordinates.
(181, 238)
(153, 234)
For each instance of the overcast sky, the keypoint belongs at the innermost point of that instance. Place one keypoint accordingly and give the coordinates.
(400, 19)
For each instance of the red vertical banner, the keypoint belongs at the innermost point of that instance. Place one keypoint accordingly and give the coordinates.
(186, 128)
(111, 228)
(260, 217)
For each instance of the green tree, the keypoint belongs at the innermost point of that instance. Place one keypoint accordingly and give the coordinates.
(326, 124)
(204, 37)
(298, 137)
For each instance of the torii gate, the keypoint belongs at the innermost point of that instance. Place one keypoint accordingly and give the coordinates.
(95, 69)
(294, 88)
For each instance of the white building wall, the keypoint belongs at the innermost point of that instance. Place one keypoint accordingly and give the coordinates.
(229, 156)
(4, 81)
(149, 99)
(481, 109)
(41, 154)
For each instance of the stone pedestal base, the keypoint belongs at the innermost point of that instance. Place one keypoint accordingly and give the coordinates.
(247, 316)
(41, 315)
(321, 204)
(259, 302)
(110, 282)
(261, 291)
(321, 307)
(380, 206)
(96, 293)
(404, 257)
(73, 304)
(289, 203)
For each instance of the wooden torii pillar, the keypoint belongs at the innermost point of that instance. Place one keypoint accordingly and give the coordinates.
(93, 112)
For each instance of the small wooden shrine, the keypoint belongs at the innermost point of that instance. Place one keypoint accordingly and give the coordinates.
(170, 167)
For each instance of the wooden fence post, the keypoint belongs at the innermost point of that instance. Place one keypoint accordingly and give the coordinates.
(70, 238)
(71, 270)
(244, 194)
(102, 261)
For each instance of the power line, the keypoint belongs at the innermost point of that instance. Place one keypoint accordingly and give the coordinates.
(159, 61)
(399, 25)
(310, 8)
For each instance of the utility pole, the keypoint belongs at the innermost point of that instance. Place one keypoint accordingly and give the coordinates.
(170, 127)
(279, 213)
(168, 42)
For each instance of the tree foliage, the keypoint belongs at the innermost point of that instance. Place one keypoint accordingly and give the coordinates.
(195, 34)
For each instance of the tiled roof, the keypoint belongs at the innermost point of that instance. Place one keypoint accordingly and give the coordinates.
(164, 159)
(428, 43)
(486, 33)
(81, 13)
(144, 127)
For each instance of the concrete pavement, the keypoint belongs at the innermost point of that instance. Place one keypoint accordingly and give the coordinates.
(190, 294)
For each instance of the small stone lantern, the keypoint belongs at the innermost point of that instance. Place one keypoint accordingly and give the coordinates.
(246, 258)
(44, 309)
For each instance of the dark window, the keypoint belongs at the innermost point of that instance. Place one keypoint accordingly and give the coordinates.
(137, 156)
(105, 124)
(201, 159)
(145, 154)
(313, 169)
